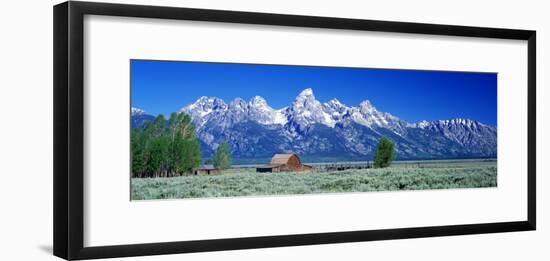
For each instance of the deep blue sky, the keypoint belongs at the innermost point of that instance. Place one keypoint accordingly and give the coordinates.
(165, 87)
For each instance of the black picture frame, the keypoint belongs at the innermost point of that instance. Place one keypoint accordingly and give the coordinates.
(69, 117)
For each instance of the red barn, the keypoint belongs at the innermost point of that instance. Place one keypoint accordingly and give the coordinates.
(284, 162)
(206, 170)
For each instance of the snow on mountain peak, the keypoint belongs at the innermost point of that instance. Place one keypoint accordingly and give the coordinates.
(203, 100)
(216, 111)
(261, 112)
(335, 103)
(306, 99)
(336, 109)
(366, 106)
(204, 106)
(423, 124)
(307, 92)
(238, 107)
(306, 110)
(303, 112)
(238, 103)
(456, 123)
(137, 111)
(209, 103)
(257, 101)
(367, 115)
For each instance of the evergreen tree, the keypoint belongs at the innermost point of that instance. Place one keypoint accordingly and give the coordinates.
(385, 153)
(222, 158)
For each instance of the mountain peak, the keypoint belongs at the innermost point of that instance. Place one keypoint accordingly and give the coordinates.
(206, 99)
(452, 123)
(335, 102)
(204, 106)
(202, 99)
(209, 103)
(258, 100)
(366, 105)
(306, 99)
(238, 103)
(137, 111)
(306, 92)
(421, 124)
(335, 105)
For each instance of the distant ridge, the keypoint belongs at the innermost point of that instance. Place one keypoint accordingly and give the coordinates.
(329, 131)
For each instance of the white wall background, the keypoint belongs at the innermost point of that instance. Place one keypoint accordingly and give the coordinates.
(26, 129)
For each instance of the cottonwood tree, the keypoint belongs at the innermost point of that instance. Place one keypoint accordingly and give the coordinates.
(165, 149)
(385, 153)
(222, 158)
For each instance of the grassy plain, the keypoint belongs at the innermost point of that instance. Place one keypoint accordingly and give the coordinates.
(236, 182)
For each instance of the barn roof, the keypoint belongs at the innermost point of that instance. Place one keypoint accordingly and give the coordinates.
(282, 158)
(269, 166)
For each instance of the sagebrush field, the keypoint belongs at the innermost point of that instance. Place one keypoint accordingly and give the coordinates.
(246, 182)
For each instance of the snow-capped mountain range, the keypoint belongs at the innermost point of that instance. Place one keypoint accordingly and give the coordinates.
(327, 131)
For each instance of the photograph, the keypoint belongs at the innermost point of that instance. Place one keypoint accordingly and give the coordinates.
(218, 129)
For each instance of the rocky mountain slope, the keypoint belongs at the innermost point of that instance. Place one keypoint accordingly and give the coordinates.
(330, 131)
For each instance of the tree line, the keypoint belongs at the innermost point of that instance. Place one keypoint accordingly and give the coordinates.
(171, 148)
(165, 149)
(168, 149)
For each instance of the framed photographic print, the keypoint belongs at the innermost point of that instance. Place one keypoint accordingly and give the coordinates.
(219, 130)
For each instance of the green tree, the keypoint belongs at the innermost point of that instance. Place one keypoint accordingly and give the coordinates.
(185, 146)
(165, 148)
(385, 153)
(222, 158)
(138, 153)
